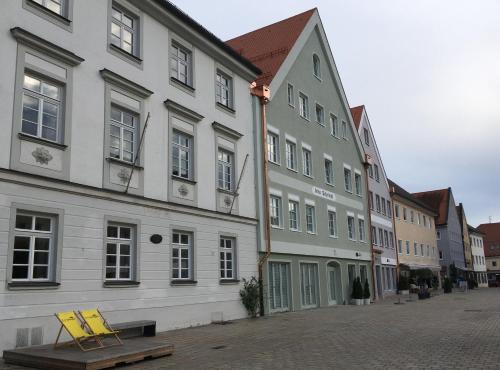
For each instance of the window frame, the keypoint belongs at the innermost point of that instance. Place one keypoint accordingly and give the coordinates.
(358, 184)
(230, 89)
(334, 126)
(191, 162)
(225, 165)
(182, 246)
(224, 250)
(291, 155)
(316, 66)
(320, 119)
(290, 90)
(312, 217)
(351, 228)
(279, 209)
(361, 229)
(307, 164)
(304, 106)
(277, 160)
(63, 19)
(377, 173)
(348, 184)
(180, 46)
(332, 223)
(124, 127)
(344, 130)
(366, 136)
(118, 241)
(329, 173)
(297, 215)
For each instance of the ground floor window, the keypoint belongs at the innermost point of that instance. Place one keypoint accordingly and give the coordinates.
(309, 284)
(182, 255)
(279, 286)
(227, 252)
(119, 251)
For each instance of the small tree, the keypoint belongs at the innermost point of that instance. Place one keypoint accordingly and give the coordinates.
(357, 289)
(403, 283)
(366, 290)
(250, 296)
(447, 285)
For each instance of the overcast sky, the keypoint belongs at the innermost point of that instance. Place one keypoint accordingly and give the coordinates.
(428, 73)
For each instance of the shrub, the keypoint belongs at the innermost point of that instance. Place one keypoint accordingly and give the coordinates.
(357, 289)
(403, 283)
(447, 285)
(250, 296)
(366, 290)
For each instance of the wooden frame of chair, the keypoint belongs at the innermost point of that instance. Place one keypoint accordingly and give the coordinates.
(106, 325)
(75, 339)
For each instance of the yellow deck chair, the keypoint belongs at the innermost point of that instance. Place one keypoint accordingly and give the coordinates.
(98, 325)
(73, 325)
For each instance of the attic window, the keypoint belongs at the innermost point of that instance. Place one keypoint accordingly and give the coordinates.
(316, 66)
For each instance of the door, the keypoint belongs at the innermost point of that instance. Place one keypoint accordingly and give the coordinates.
(334, 284)
(309, 284)
(379, 282)
(279, 286)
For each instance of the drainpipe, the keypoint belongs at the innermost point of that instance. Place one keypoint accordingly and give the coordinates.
(262, 92)
(367, 162)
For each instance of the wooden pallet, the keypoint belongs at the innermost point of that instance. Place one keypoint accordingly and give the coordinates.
(72, 358)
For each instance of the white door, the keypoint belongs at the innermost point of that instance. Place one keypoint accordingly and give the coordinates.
(279, 286)
(309, 284)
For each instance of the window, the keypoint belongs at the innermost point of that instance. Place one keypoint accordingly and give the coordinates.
(428, 250)
(389, 209)
(386, 239)
(361, 225)
(123, 134)
(227, 261)
(34, 236)
(124, 29)
(370, 171)
(56, 6)
(374, 236)
(400, 246)
(421, 250)
(316, 66)
(367, 136)
(307, 162)
(407, 247)
(405, 215)
(332, 223)
(310, 219)
(273, 148)
(320, 114)
(412, 216)
(182, 153)
(181, 64)
(396, 211)
(433, 251)
(329, 171)
(120, 246)
(42, 108)
(344, 129)
(303, 106)
(291, 156)
(381, 237)
(357, 184)
(440, 255)
(415, 248)
(438, 235)
(291, 95)
(419, 218)
(377, 174)
(293, 215)
(382, 202)
(225, 170)
(275, 211)
(351, 231)
(334, 126)
(182, 255)
(391, 239)
(224, 89)
(370, 200)
(347, 180)
(377, 202)
(493, 263)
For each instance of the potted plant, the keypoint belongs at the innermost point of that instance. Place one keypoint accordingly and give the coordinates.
(447, 285)
(357, 292)
(403, 285)
(366, 292)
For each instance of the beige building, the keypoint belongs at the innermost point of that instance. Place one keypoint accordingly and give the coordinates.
(415, 233)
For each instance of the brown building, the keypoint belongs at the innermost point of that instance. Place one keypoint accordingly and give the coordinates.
(491, 240)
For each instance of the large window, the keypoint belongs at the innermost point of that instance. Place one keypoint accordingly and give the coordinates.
(123, 134)
(275, 211)
(33, 247)
(224, 90)
(351, 229)
(42, 107)
(329, 171)
(56, 6)
(307, 162)
(181, 64)
(120, 245)
(332, 223)
(225, 170)
(273, 148)
(310, 219)
(293, 215)
(303, 106)
(182, 155)
(361, 225)
(358, 184)
(182, 255)
(347, 180)
(291, 155)
(227, 258)
(124, 30)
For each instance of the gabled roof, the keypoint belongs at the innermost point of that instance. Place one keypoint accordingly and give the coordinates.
(438, 200)
(357, 113)
(269, 46)
(395, 189)
(491, 238)
(473, 230)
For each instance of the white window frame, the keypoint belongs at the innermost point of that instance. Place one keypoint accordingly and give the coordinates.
(344, 130)
(180, 148)
(177, 62)
(361, 228)
(61, 3)
(329, 175)
(377, 173)
(307, 162)
(124, 129)
(351, 228)
(332, 223)
(224, 89)
(366, 134)
(304, 106)
(319, 112)
(276, 210)
(120, 242)
(334, 125)
(296, 212)
(358, 184)
(316, 66)
(179, 247)
(225, 169)
(291, 95)
(227, 254)
(310, 219)
(273, 147)
(291, 155)
(347, 180)
(133, 30)
(400, 246)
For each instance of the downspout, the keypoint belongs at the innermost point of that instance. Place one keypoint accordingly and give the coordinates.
(263, 94)
(367, 163)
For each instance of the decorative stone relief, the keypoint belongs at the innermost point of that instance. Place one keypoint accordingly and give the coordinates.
(227, 201)
(124, 175)
(183, 190)
(41, 155)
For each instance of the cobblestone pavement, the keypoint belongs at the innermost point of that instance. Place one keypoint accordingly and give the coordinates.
(453, 331)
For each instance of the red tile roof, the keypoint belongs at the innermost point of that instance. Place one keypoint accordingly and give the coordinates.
(438, 200)
(491, 238)
(357, 113)
(269, 46)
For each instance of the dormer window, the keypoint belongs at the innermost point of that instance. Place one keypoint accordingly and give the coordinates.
(316, 66)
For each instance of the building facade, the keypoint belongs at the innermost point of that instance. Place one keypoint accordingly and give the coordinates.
(478, 259)
(466, 241)
(415, 233)
(384, 257)
(119, 167)
(317, 204)
(448, 230)
(491, 239)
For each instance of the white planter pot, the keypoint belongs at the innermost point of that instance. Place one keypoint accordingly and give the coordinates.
(358, 302)
(366, 301)
(404, 292)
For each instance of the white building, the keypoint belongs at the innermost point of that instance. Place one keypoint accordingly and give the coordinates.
(77, 83)
(478, 259)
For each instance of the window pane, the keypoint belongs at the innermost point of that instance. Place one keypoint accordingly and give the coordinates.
(124, 261)
(31, 83)
(184, 239)
(111, 248)
(50, 109)
(110, 260)
(127, 36)
(185, 274)
(115, 30)
(41, 258)
(124, 273)
(112, 232)
(22, 242)
(42, 244)
(116, 14)
(125, 249)
(24, 222)
(110, 272)
(184, 253)
(49, 133)
(42, 224)
(50, 90)
(40, 272)
(21, 257)
(128, 21)
(124, 232)
(19, 272)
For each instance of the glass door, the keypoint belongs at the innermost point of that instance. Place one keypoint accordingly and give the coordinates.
(309, 284)
(279, 286)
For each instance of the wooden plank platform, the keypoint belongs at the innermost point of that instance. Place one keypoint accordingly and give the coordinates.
(71, 357)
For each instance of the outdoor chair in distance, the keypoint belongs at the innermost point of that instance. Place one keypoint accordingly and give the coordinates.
(73, 325)
(98, 325)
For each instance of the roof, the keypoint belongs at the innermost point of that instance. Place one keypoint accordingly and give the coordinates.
(357, 113)
(269, 46)
(491, 238)
(474, 230)
(207, 34)
(398, 190)
(438, 200)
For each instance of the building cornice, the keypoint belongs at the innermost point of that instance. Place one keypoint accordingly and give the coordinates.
(226, 130)
(183, 111)
(124, 83)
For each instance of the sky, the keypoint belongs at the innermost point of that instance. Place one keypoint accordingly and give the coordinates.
(428, 72)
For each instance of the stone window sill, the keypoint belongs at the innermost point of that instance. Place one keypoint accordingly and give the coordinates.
(226, 108)
(38, 140)
(183, 282)
(182, 179)
(59, 18)
(120, 284)
(20, 285)
(124, 163)
(182, 84)
(229, 281)
(126, 54)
